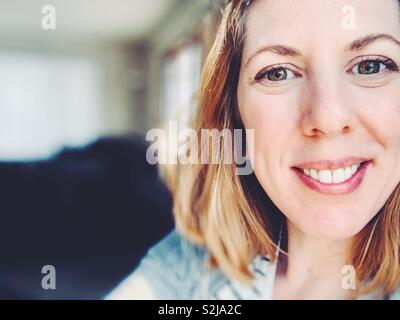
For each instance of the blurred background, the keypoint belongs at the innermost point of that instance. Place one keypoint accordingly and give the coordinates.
(81, 82)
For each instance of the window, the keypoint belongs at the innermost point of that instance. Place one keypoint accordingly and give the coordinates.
(180, 81)
(46, 103)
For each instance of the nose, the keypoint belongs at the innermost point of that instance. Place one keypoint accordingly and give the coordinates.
(326, 111)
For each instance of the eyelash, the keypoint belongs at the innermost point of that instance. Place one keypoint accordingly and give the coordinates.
(262, 74)
(388, 63)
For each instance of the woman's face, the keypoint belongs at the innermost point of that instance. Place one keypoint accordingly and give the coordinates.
(319, 84)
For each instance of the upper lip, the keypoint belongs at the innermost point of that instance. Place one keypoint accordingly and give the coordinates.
(330, 164)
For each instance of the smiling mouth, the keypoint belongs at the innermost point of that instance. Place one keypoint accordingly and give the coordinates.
(336, 176)
(341, 180)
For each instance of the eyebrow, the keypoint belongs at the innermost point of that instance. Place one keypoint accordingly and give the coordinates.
(364, 42)
(356, 45)
(277, 49)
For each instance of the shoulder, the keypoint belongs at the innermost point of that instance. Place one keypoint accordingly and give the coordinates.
(175, 268)
(175, 253)
(175, 246)
(395, 295)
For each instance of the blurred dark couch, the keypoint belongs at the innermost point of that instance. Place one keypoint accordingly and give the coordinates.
(91, 212)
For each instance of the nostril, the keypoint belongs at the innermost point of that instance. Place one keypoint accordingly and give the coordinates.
(346, 129)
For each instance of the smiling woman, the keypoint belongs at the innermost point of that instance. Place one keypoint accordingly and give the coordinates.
(324, 103)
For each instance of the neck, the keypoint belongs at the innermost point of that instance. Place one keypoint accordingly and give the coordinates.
(313, 267)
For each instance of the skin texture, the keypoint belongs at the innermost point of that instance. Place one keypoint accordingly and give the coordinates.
(323, 110)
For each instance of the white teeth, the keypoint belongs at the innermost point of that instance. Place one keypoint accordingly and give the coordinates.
(332, 176)
(348, 173)
(325, 176)
(314, 174)
(338, 175)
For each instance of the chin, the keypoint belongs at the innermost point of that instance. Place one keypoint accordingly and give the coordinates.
(333, 226)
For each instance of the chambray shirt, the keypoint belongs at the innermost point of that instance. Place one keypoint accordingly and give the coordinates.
(176, 269)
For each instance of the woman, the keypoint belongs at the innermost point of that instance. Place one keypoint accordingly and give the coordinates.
(318, 82)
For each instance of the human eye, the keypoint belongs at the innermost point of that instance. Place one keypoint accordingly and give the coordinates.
(275, 75)
(372, 66)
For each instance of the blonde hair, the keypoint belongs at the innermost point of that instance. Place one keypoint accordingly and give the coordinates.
(232, 215)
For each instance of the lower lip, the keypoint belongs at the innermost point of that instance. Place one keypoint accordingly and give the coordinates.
(345, 187)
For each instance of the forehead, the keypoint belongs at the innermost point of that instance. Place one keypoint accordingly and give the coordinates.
(308, 24)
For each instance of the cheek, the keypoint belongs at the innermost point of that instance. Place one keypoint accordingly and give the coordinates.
(379, 114)
(391, 118)
(383, 117)
(273, 119)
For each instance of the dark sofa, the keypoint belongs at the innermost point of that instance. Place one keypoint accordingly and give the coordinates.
(90, 212)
